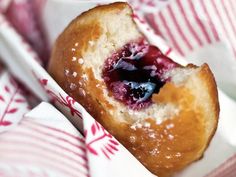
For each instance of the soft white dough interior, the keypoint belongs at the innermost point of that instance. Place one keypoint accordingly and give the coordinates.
(179, 75)
(118, 30)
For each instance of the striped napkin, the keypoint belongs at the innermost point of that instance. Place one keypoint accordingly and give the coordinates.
(202, 31)
(50, 145)
(44, 143)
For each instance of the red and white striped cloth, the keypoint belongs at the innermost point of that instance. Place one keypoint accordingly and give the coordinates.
(227, 169)
(201, 31)
(191, 24)
(43, 146)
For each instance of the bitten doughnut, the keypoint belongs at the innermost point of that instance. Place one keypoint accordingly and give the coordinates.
(165, 114)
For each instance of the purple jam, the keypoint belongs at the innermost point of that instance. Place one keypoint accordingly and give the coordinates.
(135, 72)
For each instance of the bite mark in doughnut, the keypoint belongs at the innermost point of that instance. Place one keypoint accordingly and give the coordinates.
(135, 72)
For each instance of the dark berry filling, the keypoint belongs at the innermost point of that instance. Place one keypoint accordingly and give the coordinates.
(134, 73)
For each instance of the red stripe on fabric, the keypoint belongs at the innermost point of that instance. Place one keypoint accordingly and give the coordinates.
(31, 145)
(82, 156)
(172, 38)
(230, 172)
(222, 24)
(199, 22)
(228, 17)
(180, 31)
(12, 96)
(20, 161)
(168, 51)
(104, 152)
(233, 7)
(190, 27)
(109, 150)
(228, 167)
(224, 169)
(151, 20)
(213, 29)
(43, 161)
(53, 136)
(56, 130)
(38, 155)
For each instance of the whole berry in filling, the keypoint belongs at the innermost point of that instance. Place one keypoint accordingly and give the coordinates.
(135, 72)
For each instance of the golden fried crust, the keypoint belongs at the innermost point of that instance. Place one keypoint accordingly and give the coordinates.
(207, 76)
(164, 148)
(196, 122)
